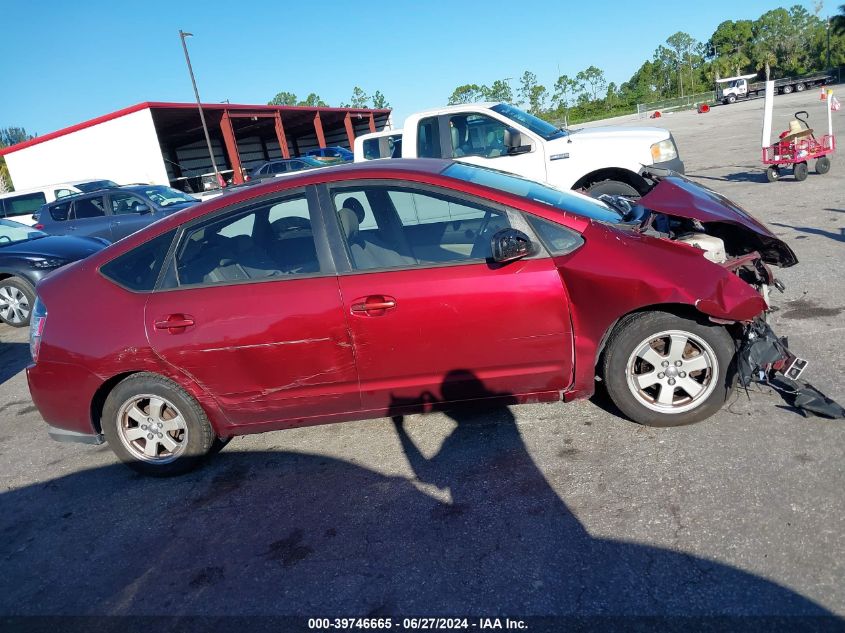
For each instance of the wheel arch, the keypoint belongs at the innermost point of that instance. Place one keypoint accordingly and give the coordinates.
(678, 309)
(612, 173)
(217, 419)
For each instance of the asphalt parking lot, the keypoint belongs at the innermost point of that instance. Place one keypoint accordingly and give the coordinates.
(531, 510)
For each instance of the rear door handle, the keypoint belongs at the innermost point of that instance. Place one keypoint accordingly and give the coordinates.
(175, 323)
(373, 305)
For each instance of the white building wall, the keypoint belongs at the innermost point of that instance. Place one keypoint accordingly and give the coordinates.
(125, 150)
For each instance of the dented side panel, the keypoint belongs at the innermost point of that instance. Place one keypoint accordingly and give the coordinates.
(615, 273)
(267, 352)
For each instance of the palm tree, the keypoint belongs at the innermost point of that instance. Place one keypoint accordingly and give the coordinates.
(837, 23)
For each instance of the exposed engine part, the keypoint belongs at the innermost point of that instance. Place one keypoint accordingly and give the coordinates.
(764, 358)
(713, 247)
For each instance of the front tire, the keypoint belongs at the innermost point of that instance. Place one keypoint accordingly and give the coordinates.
(17, 297)
(665, 370)
(155, 427)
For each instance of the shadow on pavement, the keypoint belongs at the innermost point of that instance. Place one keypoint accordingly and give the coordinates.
(837, 237)
(14, 357)
(478, 530)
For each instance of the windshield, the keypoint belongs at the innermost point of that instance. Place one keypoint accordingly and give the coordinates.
(167, 196)
(538, 126)
(570, 201)
(94, 185)
(15, 232)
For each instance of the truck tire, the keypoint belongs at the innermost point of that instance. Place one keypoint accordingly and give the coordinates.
(799, 87)
(787, 90)
(731, 99)
(612, 188)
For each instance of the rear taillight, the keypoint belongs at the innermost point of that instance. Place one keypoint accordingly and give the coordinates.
(36, 328)
(40, 227)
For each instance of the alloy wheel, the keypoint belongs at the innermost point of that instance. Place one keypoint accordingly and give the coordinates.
(672, 371)
(152, 429)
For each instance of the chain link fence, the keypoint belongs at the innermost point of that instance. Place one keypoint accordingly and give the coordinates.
(678, 103)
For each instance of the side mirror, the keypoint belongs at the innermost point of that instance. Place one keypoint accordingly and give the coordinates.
(141, 209)
(514, 143)
(509, 245)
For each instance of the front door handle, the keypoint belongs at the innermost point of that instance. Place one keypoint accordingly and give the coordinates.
(373, 305)
(175, 323)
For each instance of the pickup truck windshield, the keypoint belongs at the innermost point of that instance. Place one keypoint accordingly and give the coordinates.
(570, 201)
(538, 126)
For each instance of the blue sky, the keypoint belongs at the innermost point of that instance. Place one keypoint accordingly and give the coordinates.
(64, 62)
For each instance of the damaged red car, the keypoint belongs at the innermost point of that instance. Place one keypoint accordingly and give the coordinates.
(360, 291)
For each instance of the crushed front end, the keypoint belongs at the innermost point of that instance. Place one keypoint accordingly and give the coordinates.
(682, 211)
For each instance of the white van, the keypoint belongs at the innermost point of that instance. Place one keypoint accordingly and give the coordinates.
(20, 205)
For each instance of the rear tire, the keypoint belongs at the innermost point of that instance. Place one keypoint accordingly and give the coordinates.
(694, 383)
(800, 88)
(800, 170)
(612, 188)
(787, 90)
(17, 298)
(822, 165)
(155, 427)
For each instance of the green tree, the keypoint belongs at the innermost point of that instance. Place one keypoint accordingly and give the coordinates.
(313, 100)
(10, 136)
(500, 90)
(283, 98)
(537, 100)
(593, 79)
(527, 84)
(837, 22)
(359, 98)
(380, 101)
(468, 93)
(564, 90)
(682, 46)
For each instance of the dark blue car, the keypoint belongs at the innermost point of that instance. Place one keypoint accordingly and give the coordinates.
(111, 213)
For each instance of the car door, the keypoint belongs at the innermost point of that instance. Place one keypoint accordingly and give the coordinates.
(88, 217)
(431, 318)
(252, 313)
(129, 213)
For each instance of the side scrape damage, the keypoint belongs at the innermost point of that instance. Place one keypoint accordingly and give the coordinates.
(764, 358)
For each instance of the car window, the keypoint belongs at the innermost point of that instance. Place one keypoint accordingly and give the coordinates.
(278, 168)
(560, 240)
(59, 211)
(295, 165)
(61, 193)
(87, 208)
(24, 204)
(428, 138)
(271, 241)
(123, 203)
(390, 227)
(138, 269)
(477, 135)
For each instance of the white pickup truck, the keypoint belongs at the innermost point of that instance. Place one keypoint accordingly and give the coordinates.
(600, 160)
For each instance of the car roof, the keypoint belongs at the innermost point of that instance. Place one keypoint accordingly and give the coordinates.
(481, 105)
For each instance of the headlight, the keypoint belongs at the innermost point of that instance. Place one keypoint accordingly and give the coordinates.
(53, 262)
(663, 151)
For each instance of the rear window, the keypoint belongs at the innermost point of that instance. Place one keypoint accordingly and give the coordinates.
(95, 185)
(139, 268)
(24, 204)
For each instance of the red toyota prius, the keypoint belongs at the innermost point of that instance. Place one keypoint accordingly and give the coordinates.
(356, 291)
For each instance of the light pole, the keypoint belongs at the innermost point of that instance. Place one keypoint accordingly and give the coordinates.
(828, 44)
(182, 36)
